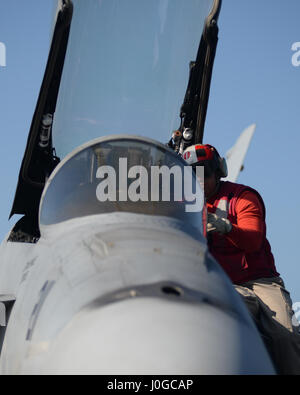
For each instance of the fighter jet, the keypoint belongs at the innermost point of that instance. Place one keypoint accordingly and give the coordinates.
(95, 278)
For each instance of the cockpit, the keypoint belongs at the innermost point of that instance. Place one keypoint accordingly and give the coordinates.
(123, 174)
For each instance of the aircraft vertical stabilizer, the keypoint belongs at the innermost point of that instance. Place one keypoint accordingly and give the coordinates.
(235, 157)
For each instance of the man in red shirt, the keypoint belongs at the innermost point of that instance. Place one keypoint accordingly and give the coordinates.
(236, 232)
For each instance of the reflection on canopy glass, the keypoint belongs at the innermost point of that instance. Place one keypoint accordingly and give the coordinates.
(75, 191)
(126, 69)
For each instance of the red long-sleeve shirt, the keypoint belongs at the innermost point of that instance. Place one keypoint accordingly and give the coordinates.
(248, 234)
(244, 253)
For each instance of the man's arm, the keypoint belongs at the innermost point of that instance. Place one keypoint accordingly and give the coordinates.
(249, 232)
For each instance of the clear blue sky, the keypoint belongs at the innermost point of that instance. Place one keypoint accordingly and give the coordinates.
(254, 82)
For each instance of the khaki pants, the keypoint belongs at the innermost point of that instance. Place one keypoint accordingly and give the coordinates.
(271, 308)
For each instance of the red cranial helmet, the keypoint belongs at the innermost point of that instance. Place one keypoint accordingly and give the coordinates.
(207, 156)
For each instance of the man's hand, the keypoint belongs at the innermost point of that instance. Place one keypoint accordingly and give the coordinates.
(218, 224)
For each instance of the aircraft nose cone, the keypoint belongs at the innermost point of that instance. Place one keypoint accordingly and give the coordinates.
(155, 336)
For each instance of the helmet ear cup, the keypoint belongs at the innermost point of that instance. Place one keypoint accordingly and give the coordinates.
(223, 168)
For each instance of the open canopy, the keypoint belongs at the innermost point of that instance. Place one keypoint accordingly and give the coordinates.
(126, 69)
(117, 67)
